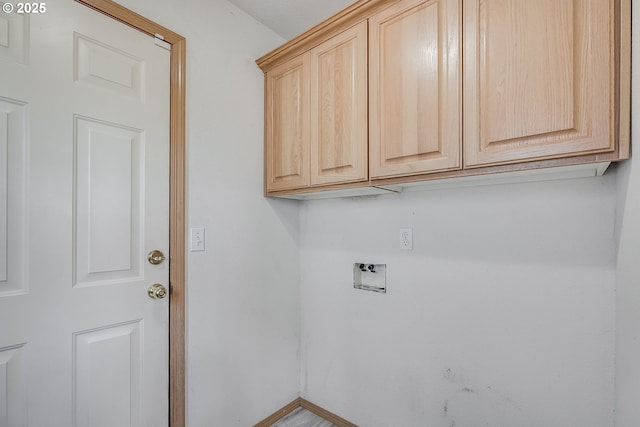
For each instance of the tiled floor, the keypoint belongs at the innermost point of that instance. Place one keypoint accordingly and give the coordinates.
(302, 418)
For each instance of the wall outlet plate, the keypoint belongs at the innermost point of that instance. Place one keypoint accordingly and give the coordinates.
(406, 239)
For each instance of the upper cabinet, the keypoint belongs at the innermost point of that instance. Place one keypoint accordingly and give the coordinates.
(339, 108)
(316, 115)
(539, 79)
(392, 92)
(414, 88)
(287, 125)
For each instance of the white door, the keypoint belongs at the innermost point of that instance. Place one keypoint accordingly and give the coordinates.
(84, 175)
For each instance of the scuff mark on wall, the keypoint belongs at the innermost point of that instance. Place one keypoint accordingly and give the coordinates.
(468, 402)
(506, 399)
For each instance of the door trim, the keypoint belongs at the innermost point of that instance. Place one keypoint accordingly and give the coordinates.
(176, 197)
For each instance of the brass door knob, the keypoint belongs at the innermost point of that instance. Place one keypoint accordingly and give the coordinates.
(157, 291)
(155, 257)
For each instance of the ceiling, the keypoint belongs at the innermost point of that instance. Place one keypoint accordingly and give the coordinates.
(288, 18)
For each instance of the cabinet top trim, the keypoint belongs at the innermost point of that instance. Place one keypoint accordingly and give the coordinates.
(347, 17)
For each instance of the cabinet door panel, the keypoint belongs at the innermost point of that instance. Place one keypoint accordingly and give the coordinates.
(414, 88)
(287, 125)
(339, 108)
(538, 79)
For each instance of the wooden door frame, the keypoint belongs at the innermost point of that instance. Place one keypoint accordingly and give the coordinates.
(176, 197)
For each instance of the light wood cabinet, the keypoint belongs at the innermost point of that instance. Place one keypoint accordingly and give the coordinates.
(316, 115)
(414, 87)
(287, 125)
(539, 79)
(396, 92)
(339, 108)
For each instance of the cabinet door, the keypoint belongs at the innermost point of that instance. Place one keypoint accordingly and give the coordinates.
(339, 108)
(538, 79)
(414, 88)
(287, 125)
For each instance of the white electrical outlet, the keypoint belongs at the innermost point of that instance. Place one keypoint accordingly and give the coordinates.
(406, 239)
(197, 239)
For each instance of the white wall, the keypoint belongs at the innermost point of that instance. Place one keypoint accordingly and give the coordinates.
(502, 315)
(243, 297)
(628, 268)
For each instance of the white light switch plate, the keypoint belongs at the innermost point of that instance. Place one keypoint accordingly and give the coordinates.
(197, 239)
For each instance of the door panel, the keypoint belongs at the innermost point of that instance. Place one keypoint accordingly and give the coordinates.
(534, 74)
(13, 138)
(117, 351)
(109, 167)
(104, 66)
(14, 36)
(13, 396)
(87, 197)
